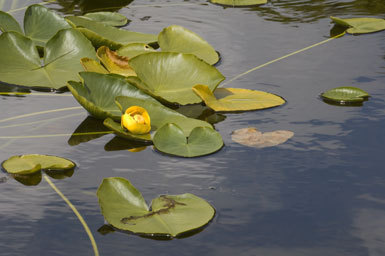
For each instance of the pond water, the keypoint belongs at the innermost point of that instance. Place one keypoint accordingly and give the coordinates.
(320, 193)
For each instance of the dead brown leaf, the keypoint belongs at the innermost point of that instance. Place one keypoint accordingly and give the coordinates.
(251, 137)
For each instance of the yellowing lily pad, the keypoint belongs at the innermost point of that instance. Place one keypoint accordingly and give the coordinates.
(179, 39)
(360, 25)
(234, 99)
(345, 95)
(92, 65)
(124, 207)
(239, 2)
(251, 137)
(171, 139)
(115, 63)
(171, 76)
(28, 164)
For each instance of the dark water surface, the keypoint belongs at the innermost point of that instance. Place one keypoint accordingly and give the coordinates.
(321, 193)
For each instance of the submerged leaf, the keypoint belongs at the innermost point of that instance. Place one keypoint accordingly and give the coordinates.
(28, 164)
(109, 18)
(239, 2)
(234, 99)
(20, 62)
(360, 25)
(172, 140)
(343, 95)
(123, 207)
(171, 76)
(251, 137)
(179, 39)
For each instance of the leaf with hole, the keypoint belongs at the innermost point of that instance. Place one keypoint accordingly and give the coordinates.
(360, 25)
(235, 99)
(171, 139)
(101, 34)
(179, 39)
(345, 95)
(171, 76)
(251, 137)
(124, 207)
(96, 93)
(20, 62)
(239, 2)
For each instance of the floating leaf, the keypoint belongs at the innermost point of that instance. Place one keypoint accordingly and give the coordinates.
(28, 164)
(160, 115)
(114, 38)
(239, 2)
(92, 65)
(123, 207)
(36, 18)
(20, 62)
(360, 25)
(251, 137)
(171, 139)
(132, 50)
(171, 76)
(179, 39)
(345, 95)
(234, 99)
(114, 63)
(97, 92)
(109, 18)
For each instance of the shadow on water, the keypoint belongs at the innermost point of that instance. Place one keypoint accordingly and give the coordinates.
(86, 6)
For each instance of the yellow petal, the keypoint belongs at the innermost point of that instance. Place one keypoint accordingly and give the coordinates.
(136, 120)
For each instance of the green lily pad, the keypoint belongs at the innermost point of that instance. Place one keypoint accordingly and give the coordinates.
(92, 65)
(97, 92)
(171, 139)
(360, 25)
(20, 62)
(239, 2)
(28, 164)
(235, 99)
(124, 207)
(179, 39)
(134, 49)
(101, 34)
(109, 18)
(345, 95)
(36, 17)
(161, 115)
(171, 76)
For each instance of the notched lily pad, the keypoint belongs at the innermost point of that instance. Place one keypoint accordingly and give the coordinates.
(179, 39)
(234, 99)
(124, 208)
(345, 95)
(251, 137)
(29, 164)
(360, 25)
(202, 141)
(239, 2)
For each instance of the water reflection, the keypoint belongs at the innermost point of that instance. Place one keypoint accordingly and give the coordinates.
(89, 125)
(86, 6)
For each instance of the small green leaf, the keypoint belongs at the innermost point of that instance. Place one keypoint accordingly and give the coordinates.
(235, 99)
(28, 164)
(134, 49)
(109, 18)
(239, 2)
(171, 139)
(123, 207)
(360, 25)
(179, 39)
(171, 76)
(343, 95)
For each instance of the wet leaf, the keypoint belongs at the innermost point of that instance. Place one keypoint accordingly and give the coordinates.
(29, 164)
(179, 39)
(239, 2)
(171, 139)
(360, 25)
(344, 95)
(101, 34)
(251, 137)
(8, 23)
(115, 63)
(171, 76)
(109, 18)
(20, 62)
(123, 207)
(234, 99)
(132, 50)
(92, 65)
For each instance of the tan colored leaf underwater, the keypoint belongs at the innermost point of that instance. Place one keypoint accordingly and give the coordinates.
(251, 137)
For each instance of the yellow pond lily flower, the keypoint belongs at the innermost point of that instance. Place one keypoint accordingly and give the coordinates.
(136, 120)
